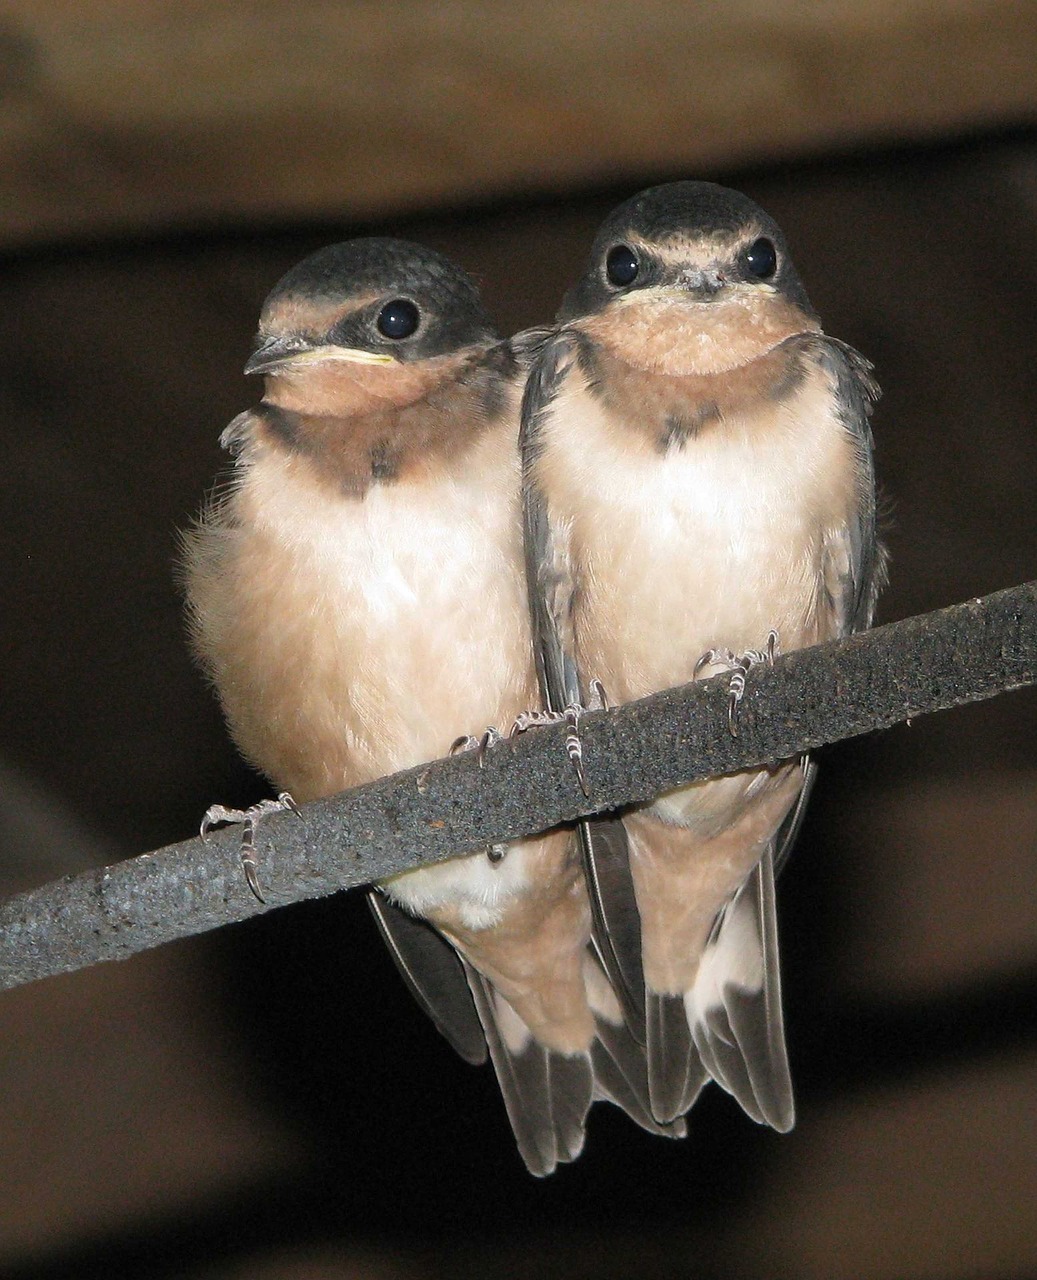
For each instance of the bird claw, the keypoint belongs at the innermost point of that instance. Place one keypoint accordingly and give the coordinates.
(739, 664)
(480, 745)
(570, 716)
(599, 696)
(217, 814)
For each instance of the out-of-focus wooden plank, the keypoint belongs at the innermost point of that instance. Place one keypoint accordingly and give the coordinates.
(118, 116)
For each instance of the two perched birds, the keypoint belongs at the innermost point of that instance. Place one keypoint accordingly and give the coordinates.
(431, 530)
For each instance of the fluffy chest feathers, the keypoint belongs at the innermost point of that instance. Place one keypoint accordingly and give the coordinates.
(353, 637)
(709, 537)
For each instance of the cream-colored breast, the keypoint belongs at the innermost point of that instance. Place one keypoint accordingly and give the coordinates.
(350, 638)
(709, 545)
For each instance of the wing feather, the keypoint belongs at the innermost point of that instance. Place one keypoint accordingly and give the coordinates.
(734, 1007)
(855, 568)
(546, 1094)
(432, 971)
(549, 576)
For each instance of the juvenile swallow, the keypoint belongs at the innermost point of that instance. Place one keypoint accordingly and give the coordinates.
(698, 479)
(357, 596)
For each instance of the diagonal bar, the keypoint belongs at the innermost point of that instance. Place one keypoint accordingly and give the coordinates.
(963, 654)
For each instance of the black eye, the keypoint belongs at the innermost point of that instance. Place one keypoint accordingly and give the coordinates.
(621, 265)
(762, 258)
(398, 319)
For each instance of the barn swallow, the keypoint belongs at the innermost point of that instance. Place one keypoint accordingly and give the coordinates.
(698, 478)
(357, 595)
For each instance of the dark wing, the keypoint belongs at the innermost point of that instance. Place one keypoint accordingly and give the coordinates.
(737, 1027)
(855, 562)
(789, 829)
(547, 1095)
(432, 970)
(750, 1018)
(548, 571)
(616, 924)
(603, 847)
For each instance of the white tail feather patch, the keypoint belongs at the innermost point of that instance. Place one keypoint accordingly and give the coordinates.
(514, 1032)
(734, 959)
(600, 996)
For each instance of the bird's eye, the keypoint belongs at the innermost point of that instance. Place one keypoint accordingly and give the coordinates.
(621, 265)
(398, 319)
(761, 258)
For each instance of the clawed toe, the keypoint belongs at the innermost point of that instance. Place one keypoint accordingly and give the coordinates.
(571, 717)
(739, 664)
(480, 745)
(599, 698)
(543, 719)
(217, 815)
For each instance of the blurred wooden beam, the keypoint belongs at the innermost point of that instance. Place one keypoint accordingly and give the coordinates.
(117, 117)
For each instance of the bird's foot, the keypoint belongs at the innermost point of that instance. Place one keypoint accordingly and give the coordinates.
(739, 664)
(217, 814)
(570, 715)
(495, 852)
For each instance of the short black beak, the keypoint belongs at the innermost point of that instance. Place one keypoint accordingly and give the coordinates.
(272, 352)
(703, 284)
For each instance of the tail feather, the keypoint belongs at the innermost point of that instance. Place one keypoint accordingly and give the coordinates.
(734, 1007)
(546, 1094)
(676, 1070)
(620, 1077)
(720, 1052)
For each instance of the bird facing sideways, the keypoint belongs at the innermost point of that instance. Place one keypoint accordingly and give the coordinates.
(698, 474)
(358, 597)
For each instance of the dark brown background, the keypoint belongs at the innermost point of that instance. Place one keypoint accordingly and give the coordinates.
(267, 1102)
